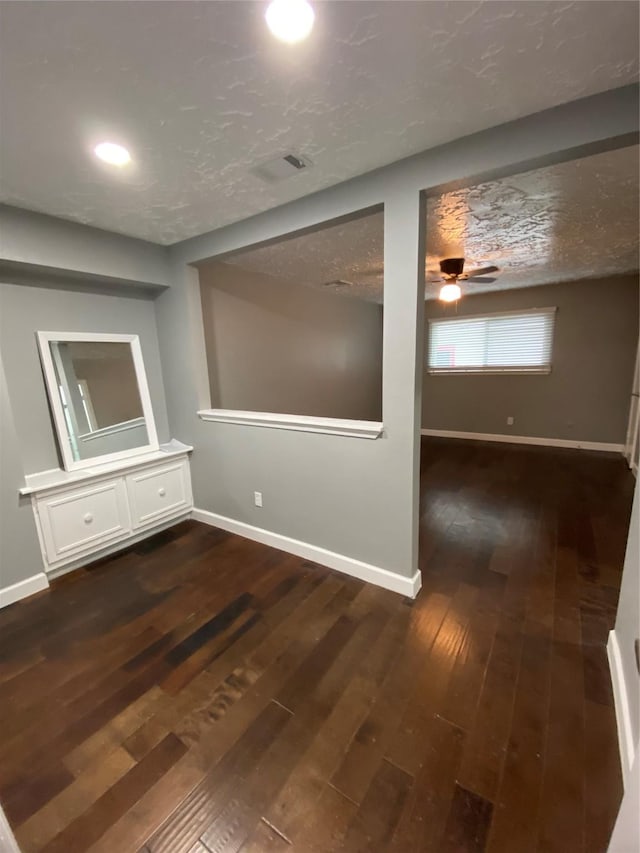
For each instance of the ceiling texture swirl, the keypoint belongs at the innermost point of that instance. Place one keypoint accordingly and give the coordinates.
(567, 222)
(201, 95)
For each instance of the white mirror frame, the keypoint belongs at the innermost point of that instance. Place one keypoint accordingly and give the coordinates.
(64, 439)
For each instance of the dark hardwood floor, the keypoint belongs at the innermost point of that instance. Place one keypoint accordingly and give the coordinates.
(201, 692)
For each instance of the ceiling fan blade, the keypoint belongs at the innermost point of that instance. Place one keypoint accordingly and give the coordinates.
(482, 271)
(483, 279)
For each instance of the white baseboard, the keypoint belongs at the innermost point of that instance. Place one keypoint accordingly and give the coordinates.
(526, 439)
(22, 589)
(8, 842)
(349, 566)
(621, 701)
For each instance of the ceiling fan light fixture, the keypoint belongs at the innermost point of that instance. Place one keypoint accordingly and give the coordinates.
(450, 293)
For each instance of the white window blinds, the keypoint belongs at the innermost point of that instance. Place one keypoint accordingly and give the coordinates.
(513, 342)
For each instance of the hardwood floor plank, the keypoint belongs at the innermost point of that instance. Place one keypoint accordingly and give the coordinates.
(81, 833)
(211, 796)
(34, 790)
(375, 821)
(463, 693)
(422, 823)
(468, 824)
(115, 732)
(406, 748)
(290, 810)
(196, 696)
(207, 699)
(327, 824)
(265, 839)
(204, 692)
(562, 807)
(481, 764)
(191, 644)
(73, 800)
(603, 776)
(154, 807)
(518, 800)
(374, 735)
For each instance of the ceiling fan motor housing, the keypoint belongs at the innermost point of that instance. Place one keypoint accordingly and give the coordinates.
(452, 266)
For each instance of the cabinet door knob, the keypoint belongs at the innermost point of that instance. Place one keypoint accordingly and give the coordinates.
(161, 492)
(88, 518)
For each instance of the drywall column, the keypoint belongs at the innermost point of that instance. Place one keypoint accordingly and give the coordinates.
(404, 232)
(355, 501)
(356, 498)
(183, 351)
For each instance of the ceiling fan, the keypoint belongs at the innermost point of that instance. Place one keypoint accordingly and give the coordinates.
(452, 271)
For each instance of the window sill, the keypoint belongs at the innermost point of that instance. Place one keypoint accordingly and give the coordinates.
(298, 423)
(516, 371)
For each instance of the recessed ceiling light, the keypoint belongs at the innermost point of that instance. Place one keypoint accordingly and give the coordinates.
(290, 20)
(111, 153)
(450, 292)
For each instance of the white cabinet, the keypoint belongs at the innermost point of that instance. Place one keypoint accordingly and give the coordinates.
(158, 492)
(83, 519)
(83, 515)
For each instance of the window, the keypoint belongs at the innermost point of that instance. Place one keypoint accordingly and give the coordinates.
(510, 342)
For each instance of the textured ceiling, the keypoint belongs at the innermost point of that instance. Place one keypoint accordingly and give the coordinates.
(351, 252)
(575, 220)
(201, 93)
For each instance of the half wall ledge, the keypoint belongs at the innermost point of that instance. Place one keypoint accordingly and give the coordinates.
(299, 423)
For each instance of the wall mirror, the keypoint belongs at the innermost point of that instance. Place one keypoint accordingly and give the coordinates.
(99, 396)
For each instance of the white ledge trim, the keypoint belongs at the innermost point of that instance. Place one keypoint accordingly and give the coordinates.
(55, 478)
(301, 423)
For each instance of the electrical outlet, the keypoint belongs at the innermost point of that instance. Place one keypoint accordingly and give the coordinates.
(510, 421)
(257, 498)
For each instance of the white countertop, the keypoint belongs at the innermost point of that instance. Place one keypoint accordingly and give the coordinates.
(58, 477)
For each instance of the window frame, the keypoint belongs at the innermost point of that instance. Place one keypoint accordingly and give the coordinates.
(492, 370)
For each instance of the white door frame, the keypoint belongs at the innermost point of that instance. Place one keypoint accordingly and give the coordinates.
(633, 437)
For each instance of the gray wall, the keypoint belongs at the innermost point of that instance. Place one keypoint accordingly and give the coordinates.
(274, 346)
(25, 310)
(19, 550)
(585, 398)
(32, 447)
(38, 240)
(352, 496)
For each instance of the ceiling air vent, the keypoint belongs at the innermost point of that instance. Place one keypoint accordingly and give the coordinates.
(281, 168)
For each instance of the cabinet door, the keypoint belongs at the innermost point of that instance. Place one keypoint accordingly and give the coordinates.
(83, 519)
(157, 493)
